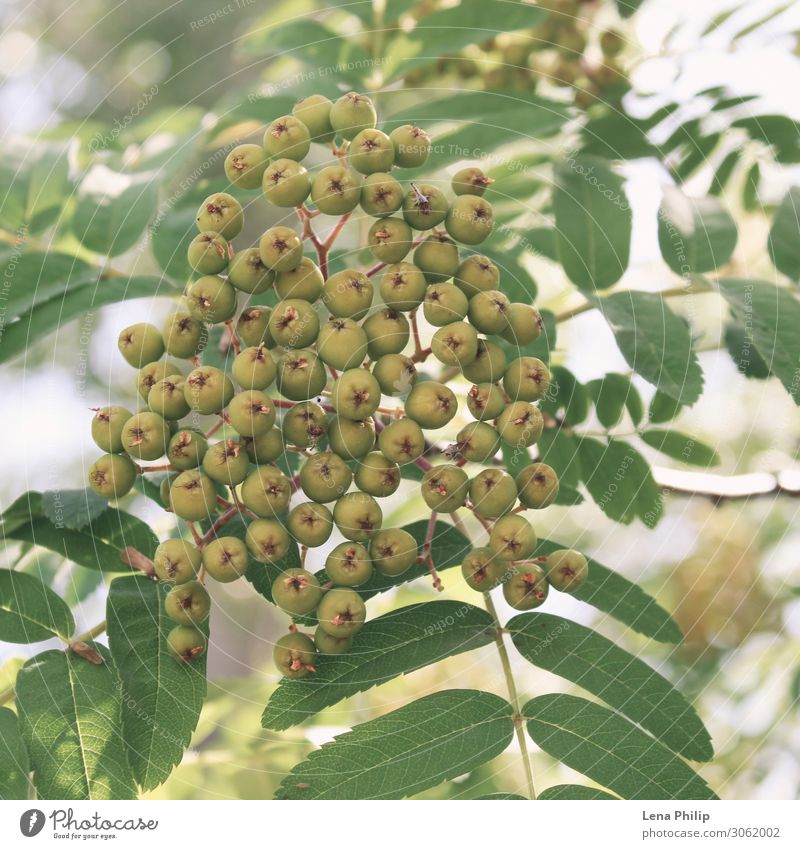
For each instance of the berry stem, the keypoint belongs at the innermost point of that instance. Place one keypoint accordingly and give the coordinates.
(212, 531)
(198, 540)
(7, 695)
(328, 243)
(512, 693)
(92, 633)
(426, 553)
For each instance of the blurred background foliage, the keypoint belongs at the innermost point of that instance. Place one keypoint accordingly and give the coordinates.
(134, 106)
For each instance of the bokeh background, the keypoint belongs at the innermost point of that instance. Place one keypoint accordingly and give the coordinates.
(727, 566)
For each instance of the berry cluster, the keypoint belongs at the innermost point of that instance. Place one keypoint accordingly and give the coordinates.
(331, 353)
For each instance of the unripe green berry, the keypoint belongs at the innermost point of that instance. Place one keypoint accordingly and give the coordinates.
(444, 303)
(342, 343)
(186, 644)
(211, 299)
(390, 239)
(252, 326)
(512, 538)
(266, 491)
(145, 436)
(342, 612)
(478, 442)
(412, 146)
(296, 591)
(336, 190)
(220, 213)
(444, 488)
(164, 487)
(245, 164)
(526, 379)
(371, 152)
(325, 477)
(567, 570)
(388, 332)
(482, 570)
(357, 516)
(524, 324)
(254, 368)
(351, 439)
(208, 253)
(107, 426)
(112, 475)
(287, 137)
(167, 398)
(485, 401)
(402, 286)
(455, 344)
(281, 249)
(327, 644)
(294, 656)
(470, 219)
(424, 206)
(177, 561)
(527, 587)
(304, 424)
(286, 183)
(267, 540)
(301, 375)
(489, 364)
(140, 344)
(381, 195)
(437, 258)
(432, 405)
(355, 394)
(377, 475)
(208, 390)
(226, 462)
(477, 273)
(304, 282)
(193, 496)
(493, 493)
(315, 112)
(520, 424)
(266, 447)
(184, 335)
(186, 449)
(152, 373)
(351, 114)
(488, 311)
(393, 551)
(402, 441)
(349, 565)
(537, 485)
(395, 374)
(248, 273)
(310, 524)
(225, 559)
(294, 323)
(188, 603)
(348, 294)
(470, 181)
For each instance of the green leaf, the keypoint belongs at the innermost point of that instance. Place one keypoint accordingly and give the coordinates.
(574, 793)
(97, 545)
(30, 611)
(663, 408)
(680, 446)
(559, 449)
(724, 172)
(620, 481)
(432, 740)
(610, 750)
(618, 597)
(743, 353)
(446, 31)
(170, 235)
(655, 342)
(162, 699)
(771, 317)
(448, 547)
(73, 508)
(695, 234)
(109, 220)
(568, 394)
(621, 680)
(784, 236)
(628, 7)
(394, 644)
(70, 716)
(14, 766)
(593, 222)
(84, 294)
(611, 395)
(501, 796)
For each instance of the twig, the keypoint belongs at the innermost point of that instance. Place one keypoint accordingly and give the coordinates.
(426, 557)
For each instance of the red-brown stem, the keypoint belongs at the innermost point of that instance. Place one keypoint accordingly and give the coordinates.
(198, 540)
(421, 356)
(334, 373)
(328, 243)
(423, 464)
(165, 467)
(426, 553)
(216, 426)
(303, 554)
(229, 338)
(376, 268)
(220, 523)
